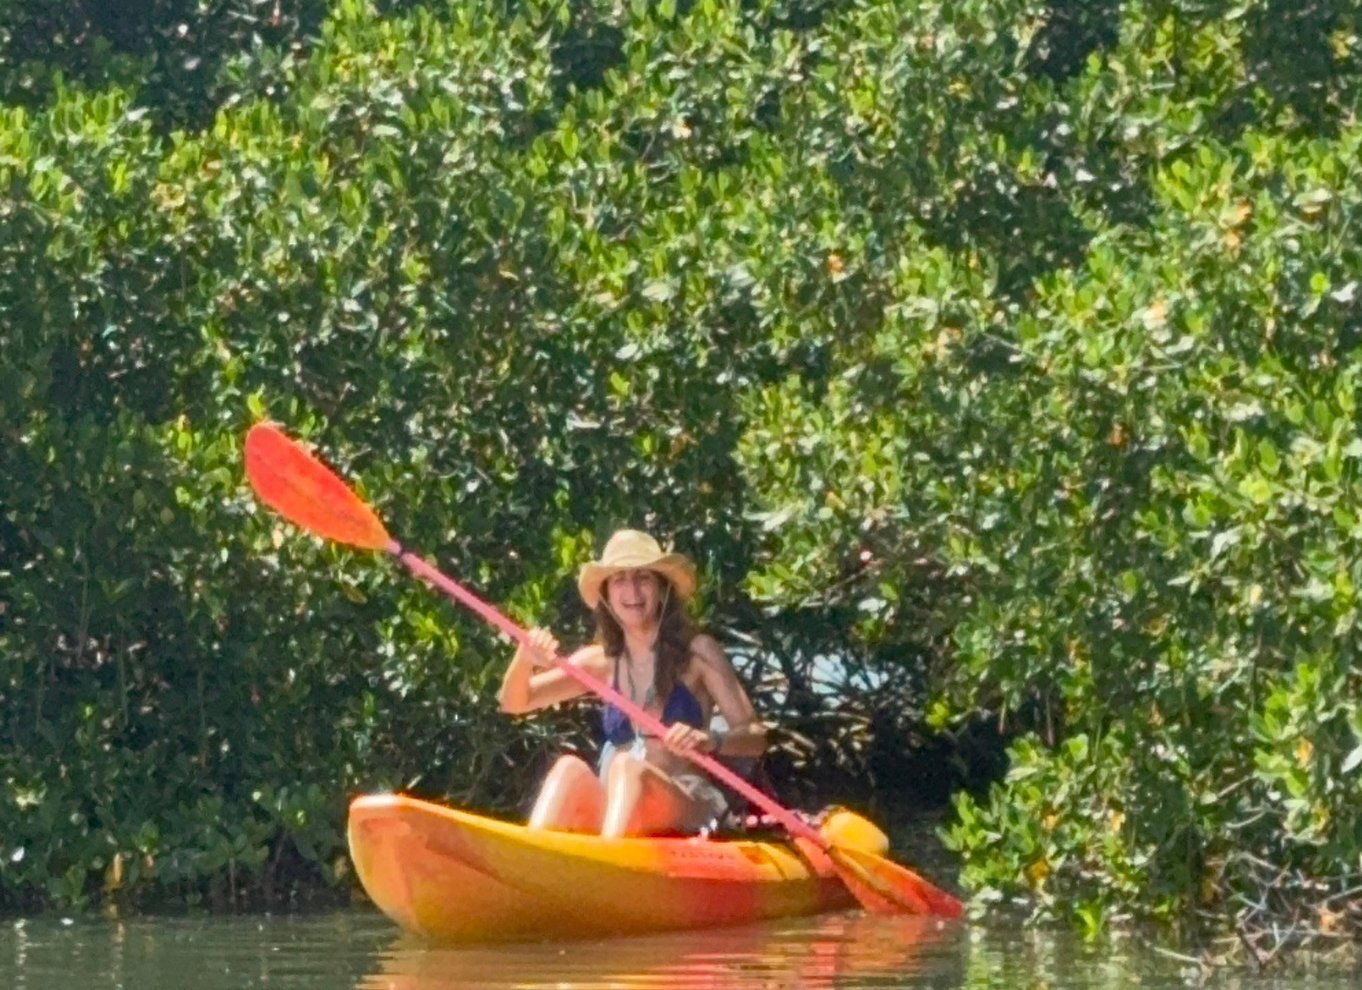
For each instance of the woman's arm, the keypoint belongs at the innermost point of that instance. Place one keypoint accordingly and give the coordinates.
(532, 679)
(746, 734)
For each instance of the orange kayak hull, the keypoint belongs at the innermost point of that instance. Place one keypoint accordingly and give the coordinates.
(458, 877)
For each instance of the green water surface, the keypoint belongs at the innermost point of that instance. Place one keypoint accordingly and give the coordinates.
(359, 949)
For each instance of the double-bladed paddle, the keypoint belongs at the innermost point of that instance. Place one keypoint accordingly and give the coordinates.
(289, 479)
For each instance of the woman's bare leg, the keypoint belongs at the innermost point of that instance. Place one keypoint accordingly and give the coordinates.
(571, 798)
(642, 800)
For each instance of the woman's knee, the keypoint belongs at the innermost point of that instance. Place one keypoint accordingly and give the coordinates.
(569, 767)
(625, 771)
(570, 798)
(639, 786)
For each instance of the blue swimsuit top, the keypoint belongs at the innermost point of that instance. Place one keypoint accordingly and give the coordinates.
(681, 706)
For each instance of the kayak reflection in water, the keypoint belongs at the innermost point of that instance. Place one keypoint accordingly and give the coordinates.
(647, 648)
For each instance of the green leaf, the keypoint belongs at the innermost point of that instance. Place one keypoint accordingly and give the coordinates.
(1352, 760)
(660, 289)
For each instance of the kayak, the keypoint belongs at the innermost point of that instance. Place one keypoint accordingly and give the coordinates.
(451, 875)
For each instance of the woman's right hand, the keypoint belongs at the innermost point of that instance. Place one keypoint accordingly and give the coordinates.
(540, 648)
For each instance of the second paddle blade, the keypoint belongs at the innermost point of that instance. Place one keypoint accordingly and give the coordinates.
(882, 885)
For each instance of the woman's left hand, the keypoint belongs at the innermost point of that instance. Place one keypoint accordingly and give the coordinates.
(686, 740)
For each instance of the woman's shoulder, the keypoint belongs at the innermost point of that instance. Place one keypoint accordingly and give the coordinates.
(706, 649)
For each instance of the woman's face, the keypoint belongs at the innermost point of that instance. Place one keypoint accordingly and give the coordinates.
(634, 597)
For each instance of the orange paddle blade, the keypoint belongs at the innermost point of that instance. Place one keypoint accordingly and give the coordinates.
(308, 493)
(884, 886)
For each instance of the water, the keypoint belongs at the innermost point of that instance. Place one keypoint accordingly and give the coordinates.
(359, 950)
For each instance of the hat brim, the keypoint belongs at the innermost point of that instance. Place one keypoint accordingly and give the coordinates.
(675, 567)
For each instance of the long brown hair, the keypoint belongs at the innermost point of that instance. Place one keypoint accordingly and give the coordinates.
(674, 633)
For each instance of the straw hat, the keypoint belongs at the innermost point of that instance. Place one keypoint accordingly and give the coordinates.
(629, 550)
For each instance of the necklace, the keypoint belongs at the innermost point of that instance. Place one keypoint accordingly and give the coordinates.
(650, 695)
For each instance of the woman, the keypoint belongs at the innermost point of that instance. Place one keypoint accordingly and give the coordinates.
(646, 648)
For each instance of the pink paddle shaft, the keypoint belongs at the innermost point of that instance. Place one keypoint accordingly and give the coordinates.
(637, 715)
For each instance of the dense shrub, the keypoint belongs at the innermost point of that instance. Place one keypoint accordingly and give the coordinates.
(997, 359)
(515, 299)
(1102, 448)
